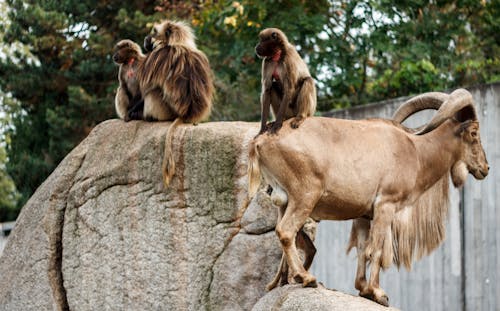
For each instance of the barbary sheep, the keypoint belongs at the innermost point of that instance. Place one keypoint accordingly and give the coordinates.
(391, 180)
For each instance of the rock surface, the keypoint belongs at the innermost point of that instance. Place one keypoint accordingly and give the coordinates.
(297, 298)
(102, 232)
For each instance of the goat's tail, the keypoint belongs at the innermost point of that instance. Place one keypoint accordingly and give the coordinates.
(253, 169)
(168, 166)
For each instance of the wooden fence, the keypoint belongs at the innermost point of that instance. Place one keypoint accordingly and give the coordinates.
(464, 272)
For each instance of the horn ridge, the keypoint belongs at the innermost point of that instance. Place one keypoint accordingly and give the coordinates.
(429, 100)
(457, 100)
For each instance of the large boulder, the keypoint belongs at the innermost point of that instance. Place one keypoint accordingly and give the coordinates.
(102, 232)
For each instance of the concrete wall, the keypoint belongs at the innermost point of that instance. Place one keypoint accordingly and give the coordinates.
(463, 273)
(5, 229)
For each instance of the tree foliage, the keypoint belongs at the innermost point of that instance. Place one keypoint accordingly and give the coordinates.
(68, 87)
(60, 72)
(9, 196)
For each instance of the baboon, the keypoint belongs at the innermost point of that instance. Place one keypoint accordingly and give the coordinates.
(128, 100)
(287, 86)
(175, 76)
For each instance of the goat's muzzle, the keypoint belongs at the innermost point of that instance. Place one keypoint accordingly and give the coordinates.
(481, 173)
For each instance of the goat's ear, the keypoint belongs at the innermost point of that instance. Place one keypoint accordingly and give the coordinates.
(467, 113)
(468, 130)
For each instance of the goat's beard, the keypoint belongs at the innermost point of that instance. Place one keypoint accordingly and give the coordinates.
(459, 174)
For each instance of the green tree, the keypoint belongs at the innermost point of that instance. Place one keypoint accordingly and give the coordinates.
(69, 87)
(8, 192)
(435, 45)
(9, 195)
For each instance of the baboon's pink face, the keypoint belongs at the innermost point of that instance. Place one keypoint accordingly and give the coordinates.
(270, 42)
(124, 51)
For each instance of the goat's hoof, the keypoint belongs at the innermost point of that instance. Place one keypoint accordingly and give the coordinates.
(312, 284)
(366, 295)
(271, 286)
(383, 300)
(307, 280)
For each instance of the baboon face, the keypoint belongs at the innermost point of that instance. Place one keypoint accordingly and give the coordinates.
(125, 50)
(168, 33)
(271, 40)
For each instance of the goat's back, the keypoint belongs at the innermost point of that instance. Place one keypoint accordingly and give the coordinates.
(345, 156)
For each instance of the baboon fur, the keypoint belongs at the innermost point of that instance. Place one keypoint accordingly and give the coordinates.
(177, 73)
(287, 86)
(176, 77)
(128, 99)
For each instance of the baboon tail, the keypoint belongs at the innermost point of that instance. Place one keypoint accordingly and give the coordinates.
(253, 169)
(168, 166)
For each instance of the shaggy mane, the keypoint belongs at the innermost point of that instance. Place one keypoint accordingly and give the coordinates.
(420, 228)
(185, 75)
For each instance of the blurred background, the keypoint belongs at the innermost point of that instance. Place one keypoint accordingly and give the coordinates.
(57, 78)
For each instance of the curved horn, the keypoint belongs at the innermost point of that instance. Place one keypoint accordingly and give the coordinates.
(430, 100)
(457, 100)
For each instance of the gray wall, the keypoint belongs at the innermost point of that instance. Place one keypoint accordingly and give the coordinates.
(463, 273)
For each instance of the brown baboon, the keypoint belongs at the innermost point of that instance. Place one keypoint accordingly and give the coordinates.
(128, 99)
(287, 86)
(175, 76)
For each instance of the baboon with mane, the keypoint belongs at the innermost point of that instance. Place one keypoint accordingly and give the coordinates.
(176, 79)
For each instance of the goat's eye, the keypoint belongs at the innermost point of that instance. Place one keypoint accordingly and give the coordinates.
(473, 134)
(274, 36)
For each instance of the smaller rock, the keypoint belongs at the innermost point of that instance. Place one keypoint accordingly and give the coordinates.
(297, 298)
(260, 216)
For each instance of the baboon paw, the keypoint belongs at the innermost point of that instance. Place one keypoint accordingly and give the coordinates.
(296, 123)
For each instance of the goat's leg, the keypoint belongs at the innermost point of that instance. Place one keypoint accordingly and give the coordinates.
(294, 218)
(283, 265)
(304, 242)
(359, 237)
(379, 251)
(278, 275)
